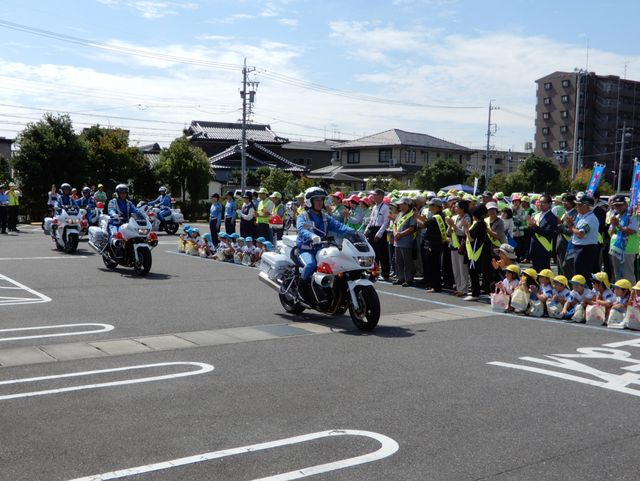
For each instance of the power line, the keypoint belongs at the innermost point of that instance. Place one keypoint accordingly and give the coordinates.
(224, 66)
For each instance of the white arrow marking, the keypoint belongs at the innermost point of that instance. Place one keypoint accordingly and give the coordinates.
(39, 298)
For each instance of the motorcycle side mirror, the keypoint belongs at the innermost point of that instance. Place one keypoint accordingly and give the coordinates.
(100, 205)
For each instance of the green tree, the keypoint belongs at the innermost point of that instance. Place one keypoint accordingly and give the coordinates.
(471, 178)
(145, 181)
(111, 158)
(499, 183)
(185, 169)
(50, 153)
(262, 173)
(439, 174)
(387, 185)
(277, 180)
(539, 174)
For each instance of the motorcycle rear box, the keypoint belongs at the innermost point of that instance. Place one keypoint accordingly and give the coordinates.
(274, 265)
(97, 236)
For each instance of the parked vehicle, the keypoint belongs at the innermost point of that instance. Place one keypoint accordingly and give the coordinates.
(342, 279)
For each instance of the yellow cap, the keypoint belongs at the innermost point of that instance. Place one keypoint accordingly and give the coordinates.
(513, 268)
(561, 280)
(578, 279)
(637, 286)
(602, 277)
(548, 273)
(623, 284)
(531, 273)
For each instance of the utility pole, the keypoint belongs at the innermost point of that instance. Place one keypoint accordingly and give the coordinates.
(489, 134)
(624, 135)
(246, 111)
(577, 148)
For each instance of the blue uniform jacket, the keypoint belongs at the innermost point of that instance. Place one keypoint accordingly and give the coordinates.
(230, 209)
(87, 202)
(311, 224)
(215, 212)
(162, 201)
(65, 201)
(124, 208)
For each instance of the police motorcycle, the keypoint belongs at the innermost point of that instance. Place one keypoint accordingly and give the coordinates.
(90, 211)
(342, 279)
(172, 217)
(129, 245)
(64, 226)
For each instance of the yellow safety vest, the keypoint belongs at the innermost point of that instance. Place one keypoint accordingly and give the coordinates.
(454, 237)
(401, 220)
(13, 198)
(495, 242)
(546, 243)
(442, 227)
(264, 205)
(472, 254)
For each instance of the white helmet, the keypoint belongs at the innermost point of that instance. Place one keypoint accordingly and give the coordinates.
(122, 188)
(311, 193)
(162, 189)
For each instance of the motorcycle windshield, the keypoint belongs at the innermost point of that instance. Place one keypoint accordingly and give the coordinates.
(358, 240)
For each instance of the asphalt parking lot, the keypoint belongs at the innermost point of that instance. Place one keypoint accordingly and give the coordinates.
(196, 373)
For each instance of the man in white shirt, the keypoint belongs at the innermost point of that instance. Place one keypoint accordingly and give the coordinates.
(376, 232)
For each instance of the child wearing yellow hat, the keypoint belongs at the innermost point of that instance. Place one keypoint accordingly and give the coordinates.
(622, 289)
(604, 296)
(511, 280)
(560, 295)
(580, 295)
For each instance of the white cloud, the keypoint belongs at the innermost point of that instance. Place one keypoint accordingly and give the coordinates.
(289, 22)
(231, 19)
(372, 40)
(153, 9)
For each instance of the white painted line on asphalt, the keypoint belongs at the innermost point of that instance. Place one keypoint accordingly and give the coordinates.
(203, 368)
(39, 298)
(50, 258)
(102, 328)
(490, 313)
(387, 448)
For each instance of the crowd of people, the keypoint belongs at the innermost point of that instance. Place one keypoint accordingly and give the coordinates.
(472, 245)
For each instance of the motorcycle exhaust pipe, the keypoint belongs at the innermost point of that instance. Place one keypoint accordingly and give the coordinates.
(323, 280)
(265, 279)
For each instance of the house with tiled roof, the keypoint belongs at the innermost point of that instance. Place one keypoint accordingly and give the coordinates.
(215, 137)
(393, 153)
(151, 153)
(311, 154)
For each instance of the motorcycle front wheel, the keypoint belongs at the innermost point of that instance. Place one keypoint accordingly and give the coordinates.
(171, 227)
(109, 264)
(72, 244)
(366, 314)
(143, 266)
(290, 306)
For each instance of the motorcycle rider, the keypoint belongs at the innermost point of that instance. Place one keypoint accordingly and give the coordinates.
(88, 202)
(121, 208)
(164, 202)
(313, 226)
(66, 198)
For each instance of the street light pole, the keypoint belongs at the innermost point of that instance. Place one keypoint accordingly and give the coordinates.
(486, 159)
(624, 134)
(574, 163)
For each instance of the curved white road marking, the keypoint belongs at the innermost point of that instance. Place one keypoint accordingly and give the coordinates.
(102, 328)
(203, 368)
(11, 301)
(387, 448)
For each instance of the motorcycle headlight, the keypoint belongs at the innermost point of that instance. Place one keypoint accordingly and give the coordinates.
(365, 261)
(143, 231)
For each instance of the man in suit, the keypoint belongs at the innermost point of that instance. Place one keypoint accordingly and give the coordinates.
(543, 226)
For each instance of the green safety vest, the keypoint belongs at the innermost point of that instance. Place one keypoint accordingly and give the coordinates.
(400, 221)
(454, 237)
(546, 243)
(495, 242)
(472, 254)
(264, 204)
(442, 227)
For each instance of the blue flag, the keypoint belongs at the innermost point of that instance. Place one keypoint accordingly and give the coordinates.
(596, 177)
(635, 186)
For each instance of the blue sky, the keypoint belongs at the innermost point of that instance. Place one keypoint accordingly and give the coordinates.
(432, 58)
